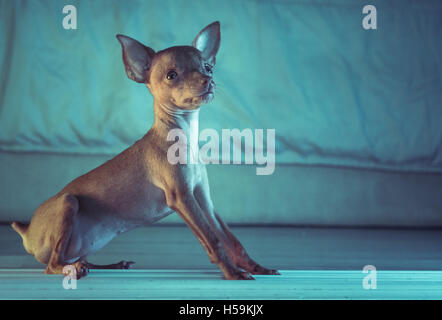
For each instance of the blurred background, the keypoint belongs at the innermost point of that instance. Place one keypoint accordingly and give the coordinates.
(357, 113)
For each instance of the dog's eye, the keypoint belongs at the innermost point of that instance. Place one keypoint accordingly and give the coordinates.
(171, 75)
(208, 67)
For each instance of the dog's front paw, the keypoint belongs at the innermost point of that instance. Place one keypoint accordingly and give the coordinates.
(264, 271)
(239, 275)
(273, 272)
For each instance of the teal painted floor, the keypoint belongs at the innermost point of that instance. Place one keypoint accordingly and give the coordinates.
(315, 263)
(209, 285)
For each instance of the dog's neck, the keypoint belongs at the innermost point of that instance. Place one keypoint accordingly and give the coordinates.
(168, 117)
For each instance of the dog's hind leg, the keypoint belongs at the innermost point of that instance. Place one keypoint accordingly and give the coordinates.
(67, 207)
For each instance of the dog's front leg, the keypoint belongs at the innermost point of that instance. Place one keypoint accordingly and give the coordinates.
(185, 204)
(239, 253)
(234, 248)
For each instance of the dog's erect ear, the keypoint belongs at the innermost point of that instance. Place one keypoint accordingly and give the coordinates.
(137, 58)
(208, 40)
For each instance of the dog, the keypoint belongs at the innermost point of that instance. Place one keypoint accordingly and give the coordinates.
(140, 186)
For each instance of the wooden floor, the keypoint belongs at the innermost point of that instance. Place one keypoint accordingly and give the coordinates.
(320, 263)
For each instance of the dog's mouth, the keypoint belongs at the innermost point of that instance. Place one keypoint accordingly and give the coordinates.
(207, 96)
(202, 97)
(209, 92)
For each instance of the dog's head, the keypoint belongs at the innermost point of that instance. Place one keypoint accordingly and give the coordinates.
(178, 76)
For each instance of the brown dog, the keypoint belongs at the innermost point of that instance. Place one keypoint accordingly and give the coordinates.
(140, 185)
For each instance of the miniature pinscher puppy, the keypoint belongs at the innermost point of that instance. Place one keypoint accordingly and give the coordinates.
(140, 185)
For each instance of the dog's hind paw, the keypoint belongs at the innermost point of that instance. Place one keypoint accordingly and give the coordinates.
(123, 264)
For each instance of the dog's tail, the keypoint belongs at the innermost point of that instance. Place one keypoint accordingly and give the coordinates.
(20, 228)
